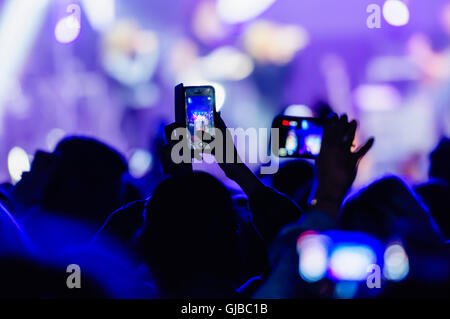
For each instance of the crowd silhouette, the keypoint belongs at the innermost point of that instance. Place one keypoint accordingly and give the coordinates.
(194, 238)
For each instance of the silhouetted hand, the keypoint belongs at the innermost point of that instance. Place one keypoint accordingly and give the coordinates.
(336, 163)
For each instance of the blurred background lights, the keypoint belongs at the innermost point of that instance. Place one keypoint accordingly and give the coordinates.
(18, 163)
(206, 23)
(350, 261)
(377, 97)
(445, 18)
(100, 13)
(299, 110)
(270, 42)
(313, 252)
(227, 63)
(140, 163)
(130, 53)
(236, 11)
(396, 12)
(53, 137)
(396, 263)
(20, 21)
(68, 28)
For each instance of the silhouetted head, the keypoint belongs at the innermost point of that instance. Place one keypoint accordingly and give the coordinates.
(440, 159)
(295, 179)
(388, 209)
(436, 195)
(81, 178)
(190, 237)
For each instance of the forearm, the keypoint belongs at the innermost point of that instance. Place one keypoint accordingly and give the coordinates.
(246, 179)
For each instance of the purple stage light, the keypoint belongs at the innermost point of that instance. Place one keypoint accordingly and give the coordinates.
(396, 12)
(68, 28)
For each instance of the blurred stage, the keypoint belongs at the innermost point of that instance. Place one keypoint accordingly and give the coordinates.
(107, 68)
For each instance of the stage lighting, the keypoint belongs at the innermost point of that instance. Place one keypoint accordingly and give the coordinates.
(130, 54)
(227, 63)
(377, 97)
(140, 163)
(53, 137)
(20, 22)
(396, 12)
(206, 23)
(100, 13)
(18, 163)
(445, 18)
(299, 110)
(236, 11)
(270, 42)
(68, 28)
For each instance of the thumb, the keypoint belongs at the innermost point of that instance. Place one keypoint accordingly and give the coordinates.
(364, 149)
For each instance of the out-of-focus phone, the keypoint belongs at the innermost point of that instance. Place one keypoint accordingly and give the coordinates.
(197, 112)
(299, 137)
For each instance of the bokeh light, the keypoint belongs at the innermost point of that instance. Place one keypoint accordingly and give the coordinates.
(396, 12)
(100, 13)
(18, 163)
(236, 11)
(130, 53)
(53, 137)
(270, 42)
(396, 263)
(350, 261)
(206, 23)
(227, 63)
(377, 97)
(68, 29)
(299, 110)
(313, 252)
(140, 163)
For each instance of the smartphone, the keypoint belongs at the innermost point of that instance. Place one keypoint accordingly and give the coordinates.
(299, 137)
(199, 110)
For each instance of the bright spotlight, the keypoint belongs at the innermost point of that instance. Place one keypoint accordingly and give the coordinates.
(68, 28)
(18, 163)
(396, 12)
(236, 11)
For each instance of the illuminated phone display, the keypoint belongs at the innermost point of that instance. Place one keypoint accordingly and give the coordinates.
(200, 108)
(300, 137)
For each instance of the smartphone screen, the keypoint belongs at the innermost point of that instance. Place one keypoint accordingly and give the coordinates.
(200, 108)
(299, 137)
